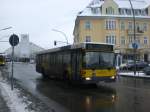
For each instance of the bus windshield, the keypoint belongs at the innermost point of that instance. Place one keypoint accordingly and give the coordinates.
(97, 60)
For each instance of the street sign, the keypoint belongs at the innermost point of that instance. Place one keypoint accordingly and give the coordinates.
(135, 45)
(14, 40)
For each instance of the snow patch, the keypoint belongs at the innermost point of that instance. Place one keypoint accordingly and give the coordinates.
(138, 74)
(14, 102)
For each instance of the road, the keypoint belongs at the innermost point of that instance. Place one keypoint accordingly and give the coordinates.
(124, 95)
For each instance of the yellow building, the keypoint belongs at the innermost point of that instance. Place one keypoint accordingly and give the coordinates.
(111, 21)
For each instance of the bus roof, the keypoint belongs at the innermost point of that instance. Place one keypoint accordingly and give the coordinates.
(85, 45)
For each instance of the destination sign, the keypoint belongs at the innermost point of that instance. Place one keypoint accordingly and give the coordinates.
(101, 47)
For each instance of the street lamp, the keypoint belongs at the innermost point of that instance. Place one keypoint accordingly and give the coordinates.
(6, 28)
(134, 49)
(62, 34)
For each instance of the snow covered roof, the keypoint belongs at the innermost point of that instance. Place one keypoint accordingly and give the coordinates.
(96, 4)
(137, 4)
(86, 11)
(113, 16)
(124, 4)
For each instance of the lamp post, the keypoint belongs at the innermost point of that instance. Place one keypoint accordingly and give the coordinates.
(6, 28)
(62, 34)
(134, 49)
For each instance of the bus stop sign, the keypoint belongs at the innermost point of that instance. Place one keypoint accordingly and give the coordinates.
(14, 40)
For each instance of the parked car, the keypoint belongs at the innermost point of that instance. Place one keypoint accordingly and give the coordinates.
(140, 65)
(146, 70)
(125, 64)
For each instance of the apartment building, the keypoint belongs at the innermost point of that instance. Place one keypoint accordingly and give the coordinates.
(111, 21)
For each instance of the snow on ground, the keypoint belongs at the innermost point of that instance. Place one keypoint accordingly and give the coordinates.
(14, 102)
(138, 74)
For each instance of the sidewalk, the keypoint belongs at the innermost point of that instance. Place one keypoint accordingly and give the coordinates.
(131, 74)
(3, 105)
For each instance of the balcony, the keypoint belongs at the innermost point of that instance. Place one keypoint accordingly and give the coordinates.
(138, 32)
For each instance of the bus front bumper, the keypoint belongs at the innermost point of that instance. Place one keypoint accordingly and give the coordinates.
(89, 80)
(2, 64)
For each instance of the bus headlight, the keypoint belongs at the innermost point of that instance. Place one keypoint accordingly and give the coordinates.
(87, 78)
(113, 77)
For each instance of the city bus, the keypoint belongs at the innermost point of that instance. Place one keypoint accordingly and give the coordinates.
(2, 60)
(84, 63)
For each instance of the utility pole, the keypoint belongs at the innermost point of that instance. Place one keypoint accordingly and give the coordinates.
(134, 44)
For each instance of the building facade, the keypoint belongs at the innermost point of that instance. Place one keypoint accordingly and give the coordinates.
(25, 50)
(111, 21)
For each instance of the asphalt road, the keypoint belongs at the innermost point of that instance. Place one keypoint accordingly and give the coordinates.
(124, 95)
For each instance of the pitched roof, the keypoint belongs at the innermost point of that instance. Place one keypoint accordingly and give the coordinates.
(137, 4)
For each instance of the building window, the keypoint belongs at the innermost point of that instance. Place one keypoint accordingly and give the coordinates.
(87, 25)
(113, 25)
(95, 10)
(123, 41)
(131, 39)
(130, 26)
(145, 27)
(88, 39)
(137, 12)
(145, 40)
(110, 24)
(143, 13)
(111, 39)
(107, 39)
(122, 25)
(122, 11)
(129, 11)
(109, 10)
(107, 25)
(137, 27)
(137, 40)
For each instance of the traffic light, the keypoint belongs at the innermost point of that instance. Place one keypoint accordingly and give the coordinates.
(55, 43)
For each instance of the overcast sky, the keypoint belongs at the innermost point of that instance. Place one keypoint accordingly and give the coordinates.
(37, 18)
